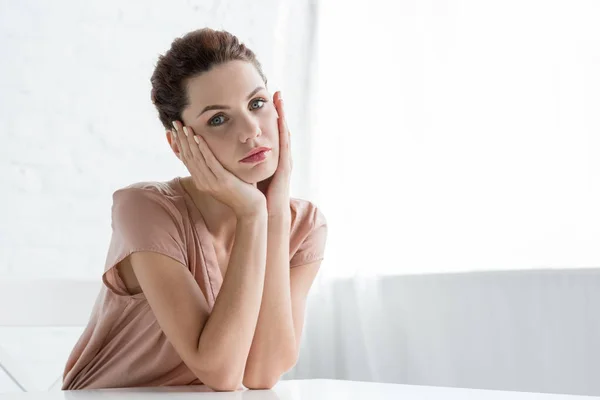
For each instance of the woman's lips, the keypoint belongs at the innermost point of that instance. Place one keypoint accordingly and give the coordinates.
(256, 157)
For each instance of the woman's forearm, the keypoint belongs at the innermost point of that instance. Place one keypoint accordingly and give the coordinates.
(273, 349)
(225, 341)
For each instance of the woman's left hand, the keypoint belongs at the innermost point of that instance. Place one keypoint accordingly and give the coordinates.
(277, 187)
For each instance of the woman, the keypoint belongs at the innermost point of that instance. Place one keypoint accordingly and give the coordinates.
(207, 275)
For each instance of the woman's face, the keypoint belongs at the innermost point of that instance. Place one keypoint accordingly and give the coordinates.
(232, 110)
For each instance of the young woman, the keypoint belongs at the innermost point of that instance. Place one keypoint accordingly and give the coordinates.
(207, 275)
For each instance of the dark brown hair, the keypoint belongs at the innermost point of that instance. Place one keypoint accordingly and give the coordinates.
(189, 56)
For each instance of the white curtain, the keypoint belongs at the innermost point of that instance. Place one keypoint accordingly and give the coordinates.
(457, 135)
(532, 330)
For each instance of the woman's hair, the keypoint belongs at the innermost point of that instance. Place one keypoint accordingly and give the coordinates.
(189, 56)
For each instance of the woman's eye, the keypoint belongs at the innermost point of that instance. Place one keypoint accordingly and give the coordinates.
(218, 120)
(221, 119)
(260, 103)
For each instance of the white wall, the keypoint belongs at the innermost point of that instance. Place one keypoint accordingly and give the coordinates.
(77, 123)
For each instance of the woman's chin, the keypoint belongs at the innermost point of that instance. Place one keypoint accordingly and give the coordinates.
(257, 174)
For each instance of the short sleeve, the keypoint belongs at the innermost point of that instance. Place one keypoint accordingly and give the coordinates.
(142, 220)
(312, 246)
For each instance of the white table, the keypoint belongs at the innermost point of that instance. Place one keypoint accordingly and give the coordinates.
(318, 389)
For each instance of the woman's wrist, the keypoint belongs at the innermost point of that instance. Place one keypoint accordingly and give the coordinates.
(280, 216)
(257, 210)
(251, 216)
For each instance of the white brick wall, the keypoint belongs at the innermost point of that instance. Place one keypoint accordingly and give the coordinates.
(76, 119)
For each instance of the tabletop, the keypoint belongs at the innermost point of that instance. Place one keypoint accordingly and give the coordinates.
(313, 389)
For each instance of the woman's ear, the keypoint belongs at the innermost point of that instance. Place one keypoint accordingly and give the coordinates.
(173, 143)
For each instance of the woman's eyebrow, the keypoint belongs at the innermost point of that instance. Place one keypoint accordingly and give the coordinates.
(220, 107)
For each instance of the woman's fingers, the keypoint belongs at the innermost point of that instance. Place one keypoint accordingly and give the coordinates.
(209, 158)
(200, 150)
(189, 137)
(191, 154)
(283, 128)
(284, 133)
(281, 112)
(184, 148)
(199, 156)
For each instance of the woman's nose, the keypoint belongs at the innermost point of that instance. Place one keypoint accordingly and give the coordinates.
(250, 131)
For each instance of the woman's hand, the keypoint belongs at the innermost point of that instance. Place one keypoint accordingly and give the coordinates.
(277, 187)
(211, 177)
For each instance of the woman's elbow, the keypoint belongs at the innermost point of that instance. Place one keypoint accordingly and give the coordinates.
(220, 382)
(265, 380)
(224, 385)
(264, 383)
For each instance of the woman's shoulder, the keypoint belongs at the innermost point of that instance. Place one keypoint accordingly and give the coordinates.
(305, 212)
(150, 196)
(308, 234)
(163, 188)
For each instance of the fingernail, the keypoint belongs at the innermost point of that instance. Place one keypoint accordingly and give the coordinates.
(196, 139)
(174, 126)
(185, 130)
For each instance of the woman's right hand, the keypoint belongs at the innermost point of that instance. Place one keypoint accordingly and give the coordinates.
(211, 177)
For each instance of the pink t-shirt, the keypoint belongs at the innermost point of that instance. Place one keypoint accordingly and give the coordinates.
(123, 345)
